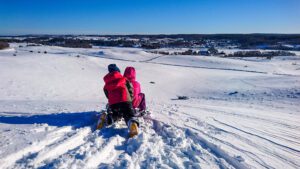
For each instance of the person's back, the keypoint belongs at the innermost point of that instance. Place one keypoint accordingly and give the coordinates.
(138, 97)
(115, 88)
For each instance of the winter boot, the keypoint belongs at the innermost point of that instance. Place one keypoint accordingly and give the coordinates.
(101, 121)
(133, 129)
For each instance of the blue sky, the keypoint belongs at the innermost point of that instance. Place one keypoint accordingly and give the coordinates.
(148, 16)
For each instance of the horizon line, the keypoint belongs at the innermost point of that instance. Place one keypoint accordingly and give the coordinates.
(140, 34)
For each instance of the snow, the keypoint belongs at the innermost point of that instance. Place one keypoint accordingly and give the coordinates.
(241, 113)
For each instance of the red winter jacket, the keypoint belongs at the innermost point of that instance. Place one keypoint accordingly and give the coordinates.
(131, 75)
(117, 88)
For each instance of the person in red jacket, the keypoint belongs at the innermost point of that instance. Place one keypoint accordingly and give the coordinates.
(138, 101)
(119, 93)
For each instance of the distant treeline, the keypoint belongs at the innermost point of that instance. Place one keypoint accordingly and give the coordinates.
(246, 41)
(243, 41)
(267, 54)
(214, 52)
(209, 52)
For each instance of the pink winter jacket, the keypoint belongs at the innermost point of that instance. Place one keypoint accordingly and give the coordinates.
(130, 75)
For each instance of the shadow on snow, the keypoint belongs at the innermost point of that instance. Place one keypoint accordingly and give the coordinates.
(74, 119)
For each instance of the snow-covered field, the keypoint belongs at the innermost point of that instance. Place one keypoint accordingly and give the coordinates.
(240, 113)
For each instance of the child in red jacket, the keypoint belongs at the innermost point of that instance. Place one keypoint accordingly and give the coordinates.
(118, 91)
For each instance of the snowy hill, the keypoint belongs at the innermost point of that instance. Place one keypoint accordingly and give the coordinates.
(240, 113)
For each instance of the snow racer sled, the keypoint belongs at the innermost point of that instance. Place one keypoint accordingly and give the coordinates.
(108, 117)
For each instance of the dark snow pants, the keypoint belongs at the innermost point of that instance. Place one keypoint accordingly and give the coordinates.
(121, 110)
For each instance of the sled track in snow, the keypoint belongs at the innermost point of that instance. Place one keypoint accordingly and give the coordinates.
(34, 148)
(240, 146)
(275, 143)
(51, 152)
(215, 150)
(84, 148)
(249, 154)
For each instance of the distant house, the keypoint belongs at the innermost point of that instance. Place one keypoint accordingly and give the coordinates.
(222, 54)
(212, 51)
(203, 52)
(208, 52)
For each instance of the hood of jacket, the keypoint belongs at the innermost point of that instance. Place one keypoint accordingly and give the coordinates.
(130, 73)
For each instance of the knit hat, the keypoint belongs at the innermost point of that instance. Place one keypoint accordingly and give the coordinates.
(113, 68)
